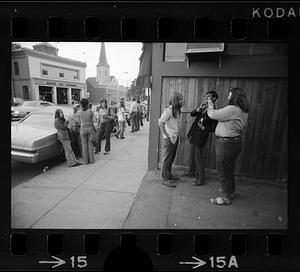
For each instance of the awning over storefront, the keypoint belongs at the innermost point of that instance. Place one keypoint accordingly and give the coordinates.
(143, 80)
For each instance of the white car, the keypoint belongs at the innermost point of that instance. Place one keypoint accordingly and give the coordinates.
(27, 107)
(34, 138)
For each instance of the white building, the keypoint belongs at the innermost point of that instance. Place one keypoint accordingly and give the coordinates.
(40, 74)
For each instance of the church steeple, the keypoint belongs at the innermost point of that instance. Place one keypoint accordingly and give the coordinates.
(103, 73)
(102, 59)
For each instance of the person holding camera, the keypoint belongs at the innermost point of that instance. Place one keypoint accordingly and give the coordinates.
(232, 122)
(198, 135)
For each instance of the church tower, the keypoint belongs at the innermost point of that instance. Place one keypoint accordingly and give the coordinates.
(103, 73)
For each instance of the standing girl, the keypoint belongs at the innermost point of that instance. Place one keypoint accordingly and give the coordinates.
(121, 120)
(63, 136)
(105, 118)
(87, 129)
(232, 123)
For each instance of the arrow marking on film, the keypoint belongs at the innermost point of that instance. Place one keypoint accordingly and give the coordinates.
(58, 262)
(197, 264)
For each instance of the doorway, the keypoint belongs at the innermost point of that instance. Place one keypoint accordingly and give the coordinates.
(62, 95)
(45, 93)
(75, 94)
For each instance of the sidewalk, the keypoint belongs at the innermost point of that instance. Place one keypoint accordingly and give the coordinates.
(97, 195)
(257, 205)
(118, 192)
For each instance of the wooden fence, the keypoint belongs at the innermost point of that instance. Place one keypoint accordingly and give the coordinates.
(264, 153)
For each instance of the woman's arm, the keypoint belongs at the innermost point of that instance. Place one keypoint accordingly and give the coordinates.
(223, 114)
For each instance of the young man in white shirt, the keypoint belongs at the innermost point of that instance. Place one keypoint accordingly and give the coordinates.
(133, 115)
(169, 125)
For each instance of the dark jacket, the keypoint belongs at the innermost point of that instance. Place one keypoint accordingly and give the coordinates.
(62, 130)
(196, 135)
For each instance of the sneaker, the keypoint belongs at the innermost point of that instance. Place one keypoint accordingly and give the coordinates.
(76, 164)
(122, 138)
(106, 152)
(168, 183)
(117, 136)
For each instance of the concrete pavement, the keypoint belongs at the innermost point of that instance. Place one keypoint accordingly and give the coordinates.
(118, 192)
(97, 195)
(258, 205)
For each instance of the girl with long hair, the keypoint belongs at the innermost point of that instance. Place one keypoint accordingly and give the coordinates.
(104, 123)
(63, 136)
(121, 119)
(169, 125)
(232, 124)
(87, 129)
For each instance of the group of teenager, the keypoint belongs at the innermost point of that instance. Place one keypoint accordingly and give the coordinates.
(78, 133)
(228, 124)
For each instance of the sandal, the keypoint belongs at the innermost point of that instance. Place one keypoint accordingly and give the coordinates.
(220, 201)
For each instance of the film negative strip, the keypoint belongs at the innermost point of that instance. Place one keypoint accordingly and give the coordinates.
(228, 74)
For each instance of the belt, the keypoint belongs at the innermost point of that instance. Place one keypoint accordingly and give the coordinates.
(229, 138)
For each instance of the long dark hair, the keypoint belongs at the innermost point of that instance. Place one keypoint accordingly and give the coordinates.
(239, 98)
(102, 101)
(122, 104)
(174, 102)
(84, 104)
(56, 115)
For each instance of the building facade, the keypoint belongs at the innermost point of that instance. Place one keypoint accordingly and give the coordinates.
(104, 85)
(40, 74)
(193, 69)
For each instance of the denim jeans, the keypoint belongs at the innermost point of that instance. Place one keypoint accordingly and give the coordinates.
(76, 142)
(133, 121)
(104, 130)
(87, 145)
(168, 157)
(121, 129)
(199, 163)
(227, 152)
(69, 154)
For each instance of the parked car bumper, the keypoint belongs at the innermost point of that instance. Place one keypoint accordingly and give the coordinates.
(23, 156)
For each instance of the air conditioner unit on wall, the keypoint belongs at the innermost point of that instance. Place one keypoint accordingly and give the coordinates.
(203, 47)
(191, 49)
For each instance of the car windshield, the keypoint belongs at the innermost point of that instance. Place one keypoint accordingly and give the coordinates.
(40, 120)
(29, 104)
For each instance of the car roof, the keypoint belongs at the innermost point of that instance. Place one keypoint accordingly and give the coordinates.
(52, 110)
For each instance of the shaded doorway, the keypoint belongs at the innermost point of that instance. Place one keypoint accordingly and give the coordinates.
(62, 95)
(45, 93)
(75, 94)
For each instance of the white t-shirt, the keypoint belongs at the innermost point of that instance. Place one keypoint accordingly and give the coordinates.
(172, 124)
(121, 113)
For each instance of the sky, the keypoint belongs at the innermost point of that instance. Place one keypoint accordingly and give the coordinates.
(121, 57)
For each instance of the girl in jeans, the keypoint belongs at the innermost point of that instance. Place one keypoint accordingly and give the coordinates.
(63, 136)
(87, 129)
(232, 123)
(121, 120)
(105, 118)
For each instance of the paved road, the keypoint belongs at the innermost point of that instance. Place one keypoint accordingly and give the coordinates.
(23, 172)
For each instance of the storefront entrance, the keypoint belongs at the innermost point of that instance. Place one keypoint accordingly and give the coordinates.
(75, 94)
(45, 93)
(62, 95)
